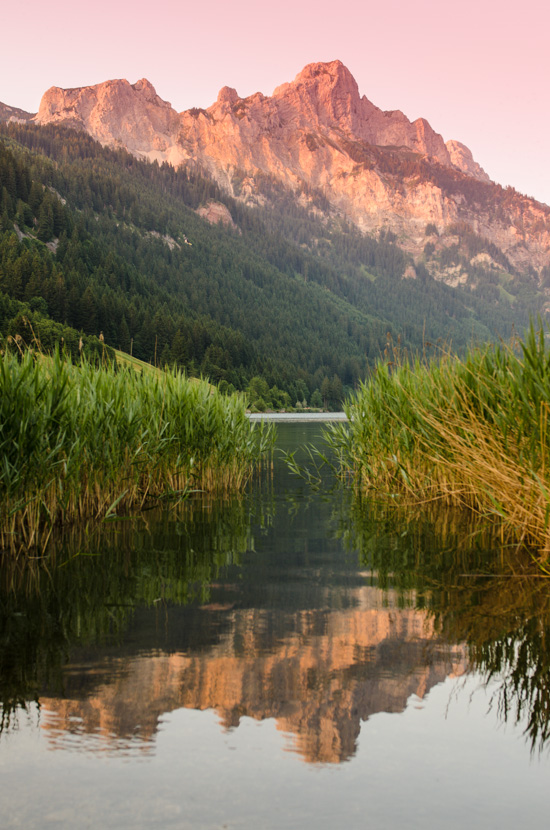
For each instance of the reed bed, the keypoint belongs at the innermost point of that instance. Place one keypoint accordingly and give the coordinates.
(78, 442)
(470, 432)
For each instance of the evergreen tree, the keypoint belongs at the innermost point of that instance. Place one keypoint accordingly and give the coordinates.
(124, 339)
(44, 231)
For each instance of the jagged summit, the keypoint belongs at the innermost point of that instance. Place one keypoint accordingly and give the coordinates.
(116, 113)
(323, 96)
(334, 70)
(323, 76)
(315, 133)
(327, 95)
(227, 95)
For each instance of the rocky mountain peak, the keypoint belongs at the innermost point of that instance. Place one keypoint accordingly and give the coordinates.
(462, 159)
(14, 114)
(323, 99)
(323, 78)
(146, 89)
(314, 134)
(116, 113)
(227, 95)
(324, 91)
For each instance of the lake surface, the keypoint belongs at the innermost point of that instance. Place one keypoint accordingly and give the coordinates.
(293, 659)
(298, 417)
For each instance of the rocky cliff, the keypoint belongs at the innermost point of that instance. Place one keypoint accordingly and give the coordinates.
(317, 135)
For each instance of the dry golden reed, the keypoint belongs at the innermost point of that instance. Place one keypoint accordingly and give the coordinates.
(469, 431)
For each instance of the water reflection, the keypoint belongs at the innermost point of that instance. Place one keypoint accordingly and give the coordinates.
(314, 610)
(491, 597)
(90, 587)
(319, 680)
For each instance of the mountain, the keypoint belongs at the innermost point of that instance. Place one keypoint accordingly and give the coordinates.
(250, 258)
(323, 98)
(318, 138)
(13, 114)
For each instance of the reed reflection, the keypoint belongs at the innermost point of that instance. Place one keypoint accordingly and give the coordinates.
(86, 592)
(265, 609)
(476, 590)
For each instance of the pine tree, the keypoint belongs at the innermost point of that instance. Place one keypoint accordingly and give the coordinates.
(88, 311)
(44, 231)
(124, 340)
(36, 196)
(5, 222)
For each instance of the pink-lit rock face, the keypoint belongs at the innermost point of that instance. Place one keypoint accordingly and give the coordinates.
(316, 131)
(14, 114)
(333, 671)
(323, 97)
(462, 159)
(216, 213)
(115, 113)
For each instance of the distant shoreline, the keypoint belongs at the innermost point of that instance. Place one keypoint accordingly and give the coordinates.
(301, 417)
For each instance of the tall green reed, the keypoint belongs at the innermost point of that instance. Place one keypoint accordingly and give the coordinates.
(78, 442)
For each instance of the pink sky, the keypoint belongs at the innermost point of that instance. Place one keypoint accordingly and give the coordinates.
(478, 70)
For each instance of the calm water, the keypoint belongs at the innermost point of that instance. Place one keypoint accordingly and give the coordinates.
(291, 660)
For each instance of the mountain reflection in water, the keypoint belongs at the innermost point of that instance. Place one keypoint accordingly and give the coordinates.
(332, 670)
(305, 607)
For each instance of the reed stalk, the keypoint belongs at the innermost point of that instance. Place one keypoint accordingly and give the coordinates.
(469, 432)
(80, 442)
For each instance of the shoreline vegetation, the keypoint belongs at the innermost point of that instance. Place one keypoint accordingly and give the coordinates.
(469, 432)
(80, 442)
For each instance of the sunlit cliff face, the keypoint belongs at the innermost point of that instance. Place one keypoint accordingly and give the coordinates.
(331, 671)
(316, 134)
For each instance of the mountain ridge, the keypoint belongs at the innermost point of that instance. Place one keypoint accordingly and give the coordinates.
(377, 169)
(319, 139)
(95, 239)
(326, 92)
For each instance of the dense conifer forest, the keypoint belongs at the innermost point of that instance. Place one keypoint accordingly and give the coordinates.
(99, 250)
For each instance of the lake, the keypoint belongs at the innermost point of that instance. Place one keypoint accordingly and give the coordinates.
(296, 658)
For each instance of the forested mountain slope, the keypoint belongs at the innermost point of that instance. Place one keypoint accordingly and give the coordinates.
(317, 133)
(99, 241)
